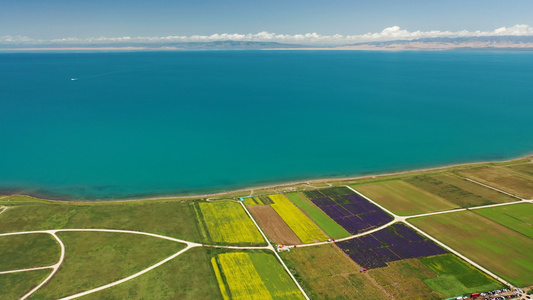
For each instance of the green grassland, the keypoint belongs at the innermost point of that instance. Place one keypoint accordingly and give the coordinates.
(518, 217)
(188, 277)
(93, 259)
(403, 198)
(456, 277)
(327, 224)
(226, 222)
(26, 251)
(458, 191)
(170, 218)
(493, 246)
(505, 179)
(15, 285)
(325, 272)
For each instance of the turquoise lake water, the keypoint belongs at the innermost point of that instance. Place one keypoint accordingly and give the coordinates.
(158, 123)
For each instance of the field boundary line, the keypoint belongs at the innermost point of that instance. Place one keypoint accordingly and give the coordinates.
(450, 249)
(54, 267)
(275, 253)
(493, 188)
(103, 287)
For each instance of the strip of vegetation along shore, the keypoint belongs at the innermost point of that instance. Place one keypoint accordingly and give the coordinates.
(274, 188)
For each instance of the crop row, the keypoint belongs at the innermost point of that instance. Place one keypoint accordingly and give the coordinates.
(393, 243)
(353, 212)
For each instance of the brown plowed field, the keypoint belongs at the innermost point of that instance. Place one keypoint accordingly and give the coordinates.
(273, 225)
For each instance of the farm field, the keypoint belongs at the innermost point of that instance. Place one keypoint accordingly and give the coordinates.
(227, 222)
(494, 246)
(28, 214)
(256, 275)
(504, 179)
(93, 259)
(404, 279)
(273, 225)
(456, 277)
(14, 286)
(189, 276)
(303, 227)
(325, 272)
(329, 226)
(526, 168)
(403, 198)
(393, 243)
(458, 191)
(28, 251)
(518, 217)
(353, 212)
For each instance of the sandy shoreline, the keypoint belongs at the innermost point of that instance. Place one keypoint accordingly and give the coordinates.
(276, 186)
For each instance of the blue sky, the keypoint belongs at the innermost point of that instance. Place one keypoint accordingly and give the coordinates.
(83, 19)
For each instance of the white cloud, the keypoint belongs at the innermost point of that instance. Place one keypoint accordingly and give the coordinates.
(387, 34)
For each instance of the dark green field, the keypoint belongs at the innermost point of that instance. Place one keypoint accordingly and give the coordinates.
(15, 285)
(93, 259)
(28, 251)
(170, 218)
(188, 276)
(456, 277)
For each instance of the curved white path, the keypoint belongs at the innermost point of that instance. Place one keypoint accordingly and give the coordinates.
(130, 277)
(54, 267)
(270, 247)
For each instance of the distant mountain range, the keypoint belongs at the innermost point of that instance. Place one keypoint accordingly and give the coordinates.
(515, 43)
(500, 43)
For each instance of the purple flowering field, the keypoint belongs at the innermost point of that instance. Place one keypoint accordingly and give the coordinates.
(348, 209)
(393, 243)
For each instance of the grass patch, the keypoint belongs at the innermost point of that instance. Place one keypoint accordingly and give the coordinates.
(303, 227)
(26, 251)
(15, 285)
(494, 246)
(456, 277)
(170, 218)
(459, 191)
(94, 259)
(403, 198)
(325, 272)
(228, 223)
(327, 224)
(518, 217)
(516, 183)
(189, 276)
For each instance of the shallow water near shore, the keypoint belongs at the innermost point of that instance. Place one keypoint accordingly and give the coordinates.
(135, 124)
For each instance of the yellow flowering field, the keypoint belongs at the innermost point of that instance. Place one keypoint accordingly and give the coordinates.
(304, 228)
(228, 223)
